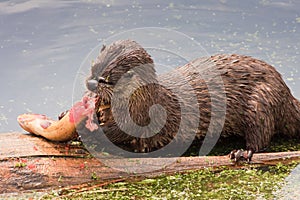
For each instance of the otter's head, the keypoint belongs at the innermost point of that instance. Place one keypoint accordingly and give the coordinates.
(124, 60)
(119, 67)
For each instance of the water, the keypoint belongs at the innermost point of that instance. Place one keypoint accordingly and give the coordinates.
(291, 190)
(43, 43)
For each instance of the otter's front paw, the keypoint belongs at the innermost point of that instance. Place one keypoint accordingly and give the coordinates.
(241, 155)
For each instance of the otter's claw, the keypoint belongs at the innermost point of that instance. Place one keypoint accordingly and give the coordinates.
(241, 155)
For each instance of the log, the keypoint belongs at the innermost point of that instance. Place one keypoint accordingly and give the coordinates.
(30, 164)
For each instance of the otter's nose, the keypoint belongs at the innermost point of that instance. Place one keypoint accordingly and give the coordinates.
(92, 85)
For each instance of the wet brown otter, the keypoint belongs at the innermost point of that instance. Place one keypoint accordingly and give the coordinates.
(255, 101)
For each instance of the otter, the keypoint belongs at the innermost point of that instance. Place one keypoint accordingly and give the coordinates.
(255, 101)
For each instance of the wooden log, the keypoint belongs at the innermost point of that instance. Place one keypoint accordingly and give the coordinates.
(30, 163)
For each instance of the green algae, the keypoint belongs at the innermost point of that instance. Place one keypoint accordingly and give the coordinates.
(248, 182)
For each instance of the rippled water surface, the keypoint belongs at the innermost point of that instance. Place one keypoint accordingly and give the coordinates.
(43, 43)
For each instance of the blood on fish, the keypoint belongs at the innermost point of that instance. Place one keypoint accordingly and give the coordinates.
(86, 108)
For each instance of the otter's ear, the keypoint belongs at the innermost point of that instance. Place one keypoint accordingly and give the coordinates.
(103, 48)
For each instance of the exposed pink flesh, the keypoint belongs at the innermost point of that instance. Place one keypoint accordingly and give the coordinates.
(84, 108)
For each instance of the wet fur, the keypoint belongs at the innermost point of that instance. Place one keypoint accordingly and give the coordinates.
(258, 102)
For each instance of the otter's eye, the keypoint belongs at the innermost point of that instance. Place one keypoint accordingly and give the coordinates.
(101, 79)
(104, 80)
